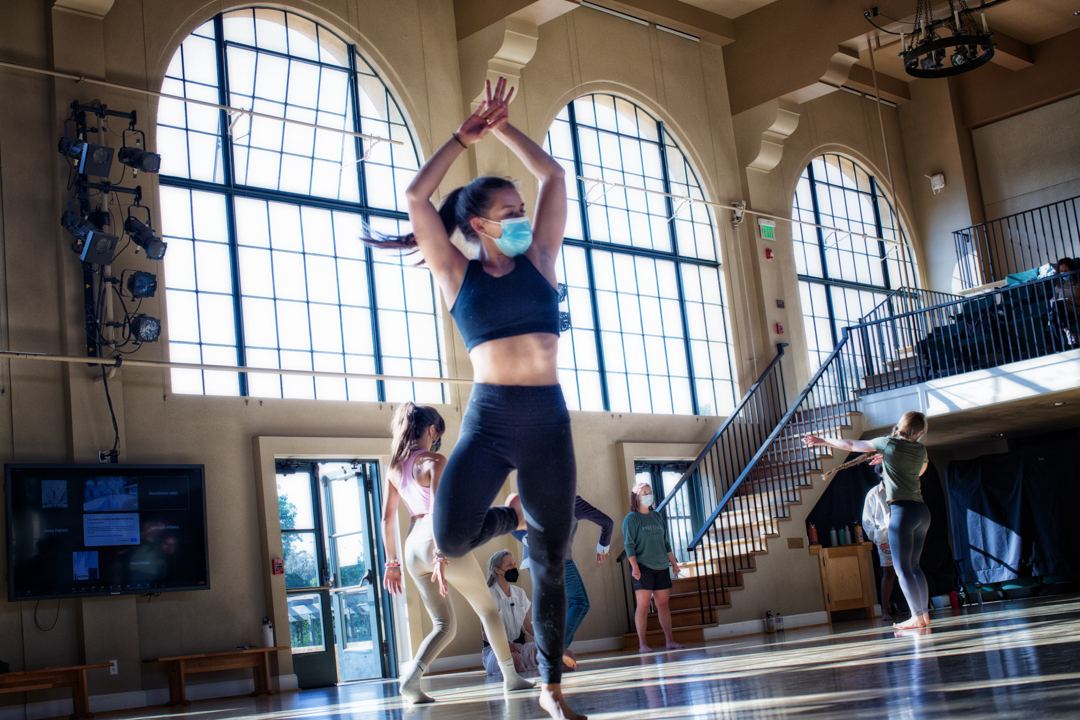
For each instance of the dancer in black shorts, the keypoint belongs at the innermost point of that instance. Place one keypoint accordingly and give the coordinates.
(505, 304)
(645, 539)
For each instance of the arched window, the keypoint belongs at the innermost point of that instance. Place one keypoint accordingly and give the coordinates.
(843, 277)
(649, 327)
(263, 218)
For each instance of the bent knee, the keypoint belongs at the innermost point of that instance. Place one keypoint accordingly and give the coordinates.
(450, 543)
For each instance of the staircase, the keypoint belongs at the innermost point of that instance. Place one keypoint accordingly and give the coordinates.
(760, 468)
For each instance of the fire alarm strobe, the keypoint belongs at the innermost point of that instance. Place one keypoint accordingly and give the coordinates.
(768, 254)
(779, 328)
(277, 565)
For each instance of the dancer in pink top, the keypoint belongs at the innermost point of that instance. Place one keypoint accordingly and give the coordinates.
(415, 468)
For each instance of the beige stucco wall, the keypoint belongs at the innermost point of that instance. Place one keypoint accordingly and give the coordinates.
(1031, 159)
(57, 414)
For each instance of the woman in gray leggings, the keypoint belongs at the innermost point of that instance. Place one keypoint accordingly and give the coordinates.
(904, 460)
(414, 475)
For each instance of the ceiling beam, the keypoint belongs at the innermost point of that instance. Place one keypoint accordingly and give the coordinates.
(1010, 52)
(708, 26)
(472, 16)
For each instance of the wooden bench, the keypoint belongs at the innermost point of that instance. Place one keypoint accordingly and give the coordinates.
(181, 665)
(73, 677)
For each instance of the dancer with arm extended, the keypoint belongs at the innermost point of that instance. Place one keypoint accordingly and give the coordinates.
(415, 468)
(505, 304)
(648, 548)
(577, 599)
(904, 460)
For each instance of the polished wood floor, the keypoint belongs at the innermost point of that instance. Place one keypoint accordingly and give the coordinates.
(1010, 660)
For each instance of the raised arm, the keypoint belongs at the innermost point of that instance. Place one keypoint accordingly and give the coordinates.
(430, 229)
(549, 217)
(859, 446)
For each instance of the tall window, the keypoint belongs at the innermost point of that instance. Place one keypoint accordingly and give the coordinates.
(843, 277)
(648, 319)
(263, 218)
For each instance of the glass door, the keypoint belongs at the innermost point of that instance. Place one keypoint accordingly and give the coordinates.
(360, 636)
(340, 623)
(307, 577)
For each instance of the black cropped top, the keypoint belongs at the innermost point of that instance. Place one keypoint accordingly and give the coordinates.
(518, 303)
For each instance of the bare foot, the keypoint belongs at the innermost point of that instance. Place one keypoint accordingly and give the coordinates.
(513, 501)
(569, 661)
(886, 618)
(926, 618)
(644, 649)
(911, 624)
(554, 704)
(914, 631)
(672, 645)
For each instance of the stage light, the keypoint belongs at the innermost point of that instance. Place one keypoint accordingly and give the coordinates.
(143, 236)
(140, 159)
(145, 328)
(142, 284)
(91, 159)
(94, 245)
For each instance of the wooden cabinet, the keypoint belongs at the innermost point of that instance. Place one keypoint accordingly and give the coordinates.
(847, 579)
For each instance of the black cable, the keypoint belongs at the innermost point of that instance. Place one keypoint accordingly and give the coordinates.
(870, 20)
(108, 396)
(56, 618)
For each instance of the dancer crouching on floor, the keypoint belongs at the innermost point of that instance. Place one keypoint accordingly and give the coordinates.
(414, 474)
(904, 460)
(505, 305)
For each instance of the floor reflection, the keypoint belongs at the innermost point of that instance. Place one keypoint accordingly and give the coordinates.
(1007, 660)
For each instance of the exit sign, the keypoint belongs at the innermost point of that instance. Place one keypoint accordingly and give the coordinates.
(767, 229)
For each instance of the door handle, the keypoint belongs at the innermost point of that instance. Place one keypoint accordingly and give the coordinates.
(366, 579)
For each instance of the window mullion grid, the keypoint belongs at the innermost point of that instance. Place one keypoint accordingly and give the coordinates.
(587, 234)
(373, 306)
(230, 209)
(662, 134)
(881, 234)
(824, 261)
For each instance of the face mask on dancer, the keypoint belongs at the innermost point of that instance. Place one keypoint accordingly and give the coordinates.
(436, 445)
(516, 236)
(645, 500)
(511, 575)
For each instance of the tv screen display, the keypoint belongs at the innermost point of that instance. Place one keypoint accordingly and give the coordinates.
(86, 530)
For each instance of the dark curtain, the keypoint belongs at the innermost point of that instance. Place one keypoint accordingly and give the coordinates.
(1012, 512)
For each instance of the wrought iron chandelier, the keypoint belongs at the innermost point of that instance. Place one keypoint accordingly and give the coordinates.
(928, 53)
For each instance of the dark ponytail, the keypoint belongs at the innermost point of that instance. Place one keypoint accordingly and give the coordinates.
(409, 423)
(456, 210)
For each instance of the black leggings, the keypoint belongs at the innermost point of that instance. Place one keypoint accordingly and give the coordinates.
(527, 428)
(909, 520)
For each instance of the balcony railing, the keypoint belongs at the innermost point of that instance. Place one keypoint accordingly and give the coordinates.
(993, 250)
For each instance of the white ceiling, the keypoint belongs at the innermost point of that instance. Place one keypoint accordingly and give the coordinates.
(729, 8)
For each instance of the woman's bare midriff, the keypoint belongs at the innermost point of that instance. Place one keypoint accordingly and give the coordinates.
(518, 360)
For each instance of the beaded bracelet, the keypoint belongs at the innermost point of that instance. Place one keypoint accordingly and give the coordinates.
(438, 558)
(390, 564)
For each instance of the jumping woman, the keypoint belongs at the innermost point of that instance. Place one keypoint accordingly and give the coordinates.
(415, 468)
(505, 304)
(904, 459)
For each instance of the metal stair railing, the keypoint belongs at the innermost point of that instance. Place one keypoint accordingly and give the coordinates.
(755, 498)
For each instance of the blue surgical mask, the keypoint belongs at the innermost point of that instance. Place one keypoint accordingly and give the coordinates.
(516, 236)
(645, 500)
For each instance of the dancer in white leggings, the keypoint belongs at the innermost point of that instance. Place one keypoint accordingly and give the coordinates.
(414, 474)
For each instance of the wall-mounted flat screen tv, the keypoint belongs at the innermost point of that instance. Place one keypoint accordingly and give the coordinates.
(93, 530)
